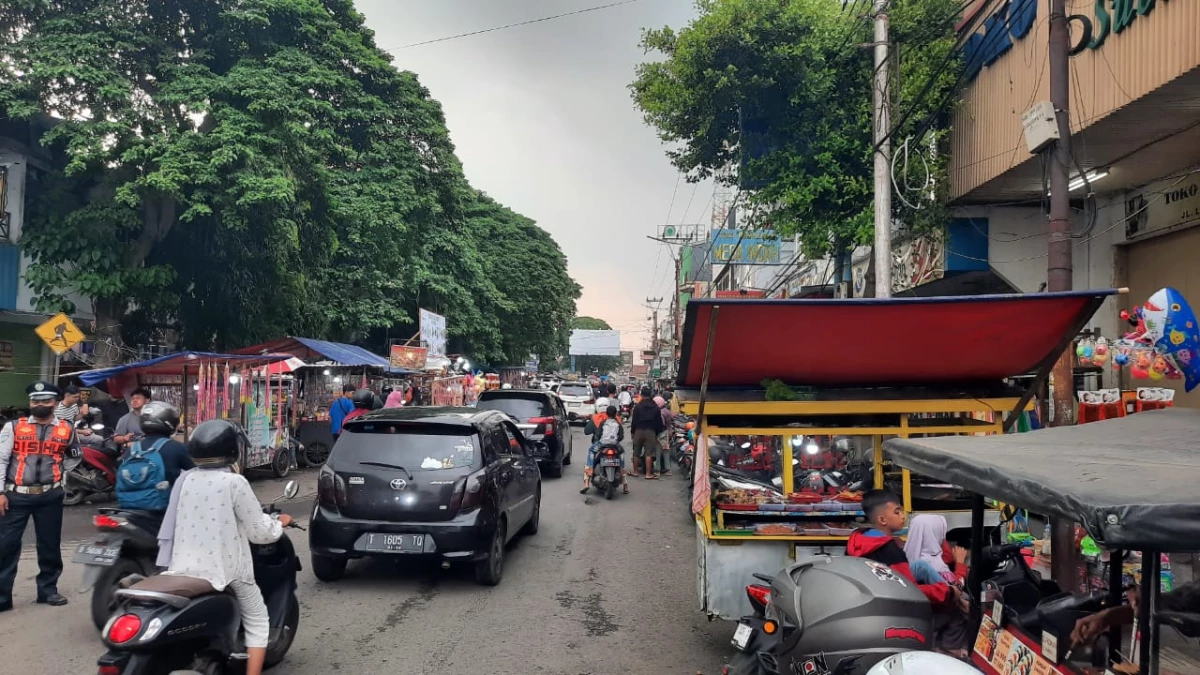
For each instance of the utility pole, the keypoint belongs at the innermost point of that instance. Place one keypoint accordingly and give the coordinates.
(1059, 269)
(652, 304)
(883, 155)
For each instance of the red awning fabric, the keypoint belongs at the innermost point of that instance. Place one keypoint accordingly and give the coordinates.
(894, 342)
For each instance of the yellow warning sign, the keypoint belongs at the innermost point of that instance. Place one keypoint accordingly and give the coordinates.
(60, 333)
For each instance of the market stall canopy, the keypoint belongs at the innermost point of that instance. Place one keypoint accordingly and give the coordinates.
(173, 364)
(311, 349)
(892, 342)
(1130, 481)
(287, 366)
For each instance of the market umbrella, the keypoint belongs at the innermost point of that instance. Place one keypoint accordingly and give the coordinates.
(288, 366)
(1172, 328)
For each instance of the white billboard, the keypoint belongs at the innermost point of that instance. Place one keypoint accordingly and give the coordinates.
(433, 332)
(595, 343)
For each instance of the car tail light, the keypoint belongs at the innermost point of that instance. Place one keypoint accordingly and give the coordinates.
(106, 522)
(109, 670)
(546, 424)
(591, 401)
(468, 492)
(331, 489)
(124, 628)
(759, 595)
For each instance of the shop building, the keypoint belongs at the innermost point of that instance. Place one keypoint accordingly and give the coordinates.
(1135, 118)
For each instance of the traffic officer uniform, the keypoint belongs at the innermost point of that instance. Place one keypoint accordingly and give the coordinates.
(32, 451)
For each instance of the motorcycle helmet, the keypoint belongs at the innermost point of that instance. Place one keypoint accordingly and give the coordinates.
(922, 663)
(159, 417)
(215, 443)
(364, 398)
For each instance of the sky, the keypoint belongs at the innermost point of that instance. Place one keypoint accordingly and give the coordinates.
(542, 120)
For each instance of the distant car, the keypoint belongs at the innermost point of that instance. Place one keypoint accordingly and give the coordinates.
(578, 398)
(450, 483)
(542, 418)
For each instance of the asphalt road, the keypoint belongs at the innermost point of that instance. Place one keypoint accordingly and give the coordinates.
(603, 588)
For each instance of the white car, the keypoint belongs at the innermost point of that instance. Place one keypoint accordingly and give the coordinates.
(578, 399)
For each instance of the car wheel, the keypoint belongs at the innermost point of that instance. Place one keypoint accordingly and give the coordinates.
(535, 518)
(281, 464)
(328, 567)
(489, 570)
(314, 454)
(567, 458)
(555, 469)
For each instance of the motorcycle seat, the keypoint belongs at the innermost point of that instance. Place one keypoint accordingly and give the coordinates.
(173, 584)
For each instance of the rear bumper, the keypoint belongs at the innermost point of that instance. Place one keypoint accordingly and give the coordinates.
(579, 411)
(465, 537)
(547, 448)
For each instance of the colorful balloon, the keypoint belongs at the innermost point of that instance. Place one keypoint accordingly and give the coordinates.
(1172, 328)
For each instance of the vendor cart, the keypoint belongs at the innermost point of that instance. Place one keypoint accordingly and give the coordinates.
(1130, 482)
(204, 386)
(794, 399)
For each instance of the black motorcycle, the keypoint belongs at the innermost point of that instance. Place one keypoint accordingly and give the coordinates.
(606, 470)
(171, 623)
(124, 549)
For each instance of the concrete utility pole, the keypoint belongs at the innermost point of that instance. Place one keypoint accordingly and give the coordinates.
(652, 304)
(1059, 270)
(883, 156)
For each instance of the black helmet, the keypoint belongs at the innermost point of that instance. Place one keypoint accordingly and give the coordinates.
(364, 398)
(159, 417)
(376, 403)
(215, 443)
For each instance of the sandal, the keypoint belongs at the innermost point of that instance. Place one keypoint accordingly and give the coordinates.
(651, 477)
(585, 490)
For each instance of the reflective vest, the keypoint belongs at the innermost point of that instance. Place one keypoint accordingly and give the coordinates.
(34, 461)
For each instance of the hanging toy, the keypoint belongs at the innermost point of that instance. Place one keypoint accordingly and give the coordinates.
(1158, 367)
(1084, 351)
(1137, 320)
(1101, 355)
(1143, 358)
(1122, 354)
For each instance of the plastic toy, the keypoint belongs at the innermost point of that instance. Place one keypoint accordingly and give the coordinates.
(1085, 350)
(1101, 354)
(1143, 358)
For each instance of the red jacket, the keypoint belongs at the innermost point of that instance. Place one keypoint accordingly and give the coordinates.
(873, 545)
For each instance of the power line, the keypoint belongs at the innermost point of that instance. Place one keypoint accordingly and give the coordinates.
(518, 24)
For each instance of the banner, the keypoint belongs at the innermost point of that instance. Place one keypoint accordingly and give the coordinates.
(409, 358)
(595, 343)
(746, 247)
(433, 332)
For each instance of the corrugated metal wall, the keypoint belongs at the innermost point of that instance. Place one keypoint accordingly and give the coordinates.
(987, 139)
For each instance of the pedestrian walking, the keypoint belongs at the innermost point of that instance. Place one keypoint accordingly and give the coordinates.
(645, 424)
(32, 450)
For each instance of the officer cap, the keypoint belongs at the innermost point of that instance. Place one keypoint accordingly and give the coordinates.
(42, 391)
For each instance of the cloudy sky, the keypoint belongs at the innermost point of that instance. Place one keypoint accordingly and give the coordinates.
(543, 122)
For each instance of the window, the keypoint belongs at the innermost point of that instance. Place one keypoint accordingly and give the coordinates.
(513, 441)
(520, 406)
(425, 447)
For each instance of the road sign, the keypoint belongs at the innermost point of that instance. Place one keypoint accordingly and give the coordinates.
(60, 333)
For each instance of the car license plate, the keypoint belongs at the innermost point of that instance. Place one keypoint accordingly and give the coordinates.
(396, 543)
(94, 554)
(741, 636)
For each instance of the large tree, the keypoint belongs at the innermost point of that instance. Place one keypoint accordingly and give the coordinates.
(782, 89)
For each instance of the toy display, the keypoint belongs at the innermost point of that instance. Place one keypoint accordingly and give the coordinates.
(1164, 343)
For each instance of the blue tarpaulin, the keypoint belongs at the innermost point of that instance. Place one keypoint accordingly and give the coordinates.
(173, 364)
(311, 349)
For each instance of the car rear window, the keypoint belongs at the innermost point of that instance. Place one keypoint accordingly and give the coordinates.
(519, 406)
(413, 447)
(575, 390)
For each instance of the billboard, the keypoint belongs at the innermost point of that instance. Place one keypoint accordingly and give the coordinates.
(746, 247)
(595, 343)
(433, 332)
(679, 233)
(410, 358)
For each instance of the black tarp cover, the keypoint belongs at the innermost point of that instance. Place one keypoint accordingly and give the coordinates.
(1133, 482)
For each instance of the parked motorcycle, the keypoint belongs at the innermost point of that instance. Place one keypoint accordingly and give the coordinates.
(606, 471)
(180, 624)
(95, 471)
(125, 547)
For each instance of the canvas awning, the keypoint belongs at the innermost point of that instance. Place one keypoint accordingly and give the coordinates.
(174, 364)
(1130, 481)
(945, 341)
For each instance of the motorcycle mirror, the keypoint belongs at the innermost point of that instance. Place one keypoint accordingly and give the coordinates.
(291, 489)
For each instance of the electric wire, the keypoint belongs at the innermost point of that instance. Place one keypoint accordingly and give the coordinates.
(516, 25)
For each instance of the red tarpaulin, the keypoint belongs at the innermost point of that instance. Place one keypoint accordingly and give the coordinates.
(894, 342)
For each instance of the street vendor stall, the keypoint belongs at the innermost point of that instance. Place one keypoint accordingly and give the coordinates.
(318, 381)
(1130, 482)
(794, 399)
(204, 386)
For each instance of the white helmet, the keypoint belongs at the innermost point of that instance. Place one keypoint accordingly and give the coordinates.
(506, 385)
(922, 663)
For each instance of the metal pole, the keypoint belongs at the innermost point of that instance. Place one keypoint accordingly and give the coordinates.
(883, 170)
(974, 581)
(1059, 270)
(1116, 593)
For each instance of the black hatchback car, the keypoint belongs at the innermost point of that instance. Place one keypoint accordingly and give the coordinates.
(542, 418)
(450, 483)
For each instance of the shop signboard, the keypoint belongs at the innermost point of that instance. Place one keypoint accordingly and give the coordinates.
(746, 247)
(531, 363)
(409, 358)
(433, 332)
(258, 430)
(1163, 206)
(6, 356)
(917, 261)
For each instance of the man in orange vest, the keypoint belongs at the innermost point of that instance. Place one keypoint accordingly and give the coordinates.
(32, 450)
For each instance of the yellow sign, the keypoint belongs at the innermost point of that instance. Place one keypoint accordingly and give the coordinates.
(60, 333)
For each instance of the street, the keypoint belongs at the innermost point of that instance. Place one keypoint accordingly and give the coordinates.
(604, 587)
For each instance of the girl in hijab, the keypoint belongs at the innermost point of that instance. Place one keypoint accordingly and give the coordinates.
(928, 554)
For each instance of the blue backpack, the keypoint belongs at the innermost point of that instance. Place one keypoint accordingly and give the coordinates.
(142, 479)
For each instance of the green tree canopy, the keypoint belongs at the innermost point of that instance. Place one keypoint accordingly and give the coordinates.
(783, 88)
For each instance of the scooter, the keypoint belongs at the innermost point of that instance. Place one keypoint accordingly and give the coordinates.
(606, 471)
(125, 547)
(180, 625)
(96, 472)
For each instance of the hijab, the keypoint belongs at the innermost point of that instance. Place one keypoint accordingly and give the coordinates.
(926, 533)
